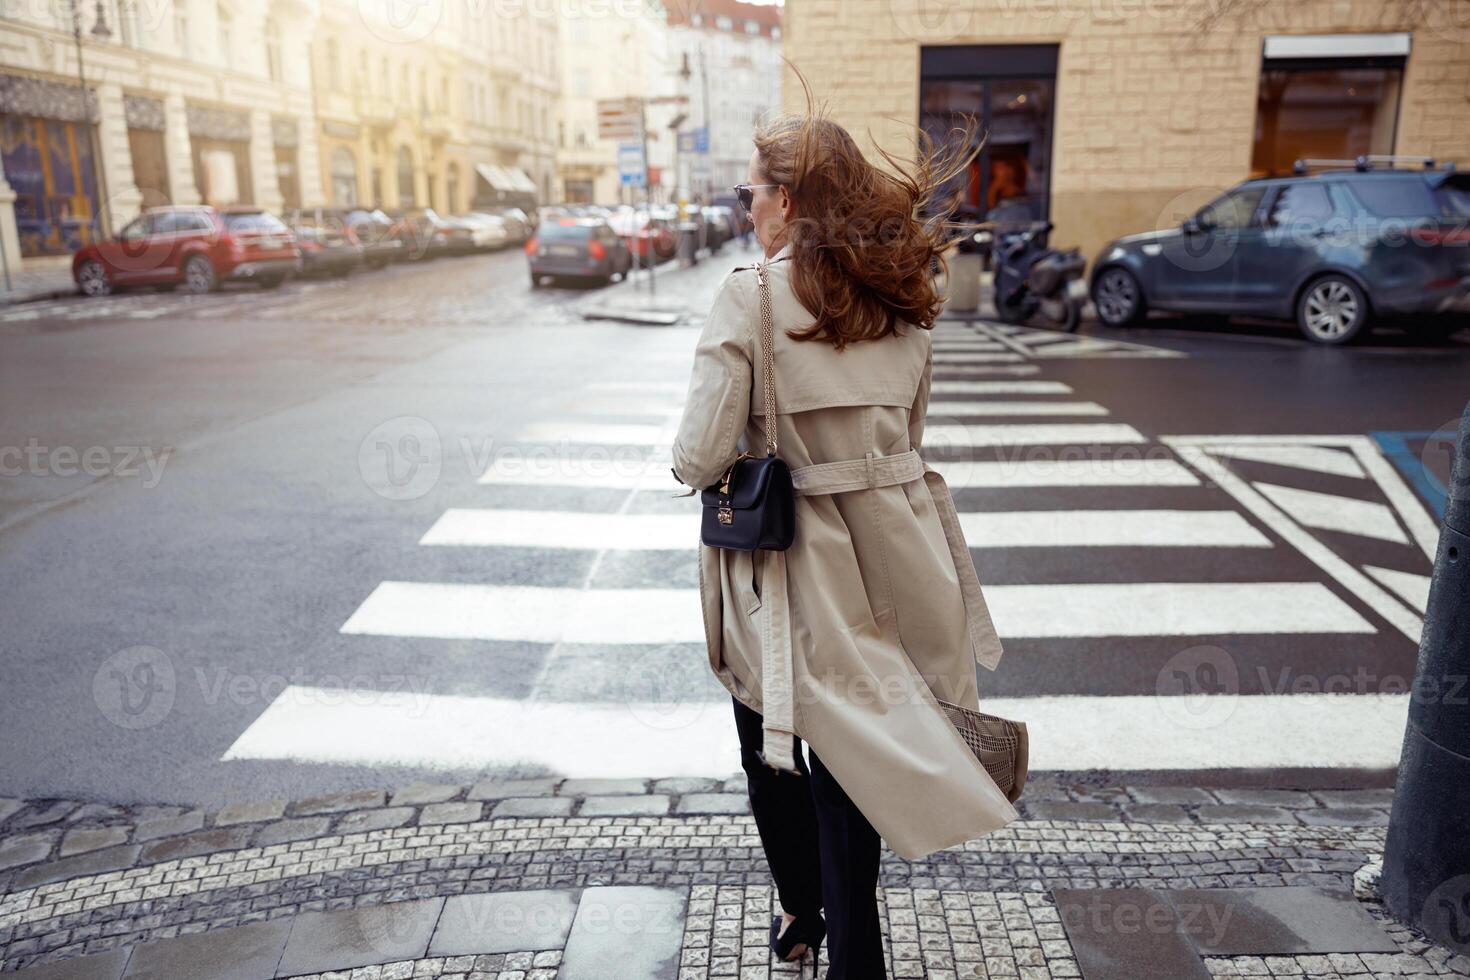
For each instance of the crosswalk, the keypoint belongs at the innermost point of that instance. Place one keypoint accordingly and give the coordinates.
(1172, 603)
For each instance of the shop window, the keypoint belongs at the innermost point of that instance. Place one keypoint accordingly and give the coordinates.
(344, 178)
(288, 180)
(150, 166)
(48, 164)
(405, 178)
(1329, 109)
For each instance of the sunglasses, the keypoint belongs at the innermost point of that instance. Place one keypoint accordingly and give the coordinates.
(745, 193)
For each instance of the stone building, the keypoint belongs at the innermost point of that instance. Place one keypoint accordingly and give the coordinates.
(192, 100)
(1110, 117)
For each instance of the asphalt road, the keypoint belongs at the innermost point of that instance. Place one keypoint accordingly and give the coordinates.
(273, 544)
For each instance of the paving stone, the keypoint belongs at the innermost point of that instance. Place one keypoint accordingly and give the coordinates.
(501, 789)
(93, 863)
(358, 799)
(1279, 922)
(505, 922)
(9, 808)
(359, 937)
(257, 812)
(1170, 794)
(40, 814)
(1157, 813)
(189, 845)
(286, 831)
(105, 966)
(714, 803)
(171, 825)
(440, 813)
(1232, 813)
(85, 839)
(1296, 799)
(645, 805)
(365, 821)
(1374, 798)
(639, 928)
(1125, 934)
(678, 785)
(1344, 817)
(418, 794)
(533, 806)
(27, 849)
(247, 952)
(602, 787)
(96, 812)
(1047, 810)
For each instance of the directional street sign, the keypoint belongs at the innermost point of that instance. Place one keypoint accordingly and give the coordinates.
(631, 168)
(619, 119)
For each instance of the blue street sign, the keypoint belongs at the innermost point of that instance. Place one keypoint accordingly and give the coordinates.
(701, 140)
(631, 169)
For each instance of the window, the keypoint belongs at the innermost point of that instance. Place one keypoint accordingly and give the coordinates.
(752, 27)
(723, 23)
(334, 65)
(225, 23)
(1454, 198)
(254, 222)
(181, 32)
(139, 228)
(1234, 210)
(1300, 204)
(274, 63)
(405, 178)
(1394, 197)
(1329, 109)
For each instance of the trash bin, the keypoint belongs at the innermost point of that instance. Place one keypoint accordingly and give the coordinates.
(688, 243)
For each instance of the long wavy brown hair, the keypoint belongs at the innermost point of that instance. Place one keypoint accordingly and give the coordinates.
(864, 240)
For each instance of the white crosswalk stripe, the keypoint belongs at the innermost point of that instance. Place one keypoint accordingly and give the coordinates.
(1171, 548)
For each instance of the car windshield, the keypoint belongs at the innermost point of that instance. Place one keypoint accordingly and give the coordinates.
(560, 232)
(254, 222)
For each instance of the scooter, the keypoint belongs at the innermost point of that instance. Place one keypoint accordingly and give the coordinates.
(1031, 277)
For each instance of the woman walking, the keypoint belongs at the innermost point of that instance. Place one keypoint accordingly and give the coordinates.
(844, 640)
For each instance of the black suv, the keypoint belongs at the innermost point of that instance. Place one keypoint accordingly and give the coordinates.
(1331, 248)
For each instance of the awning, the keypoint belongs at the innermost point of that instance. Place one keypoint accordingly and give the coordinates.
(508, 180)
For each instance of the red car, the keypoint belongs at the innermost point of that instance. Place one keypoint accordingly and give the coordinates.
(198, 247)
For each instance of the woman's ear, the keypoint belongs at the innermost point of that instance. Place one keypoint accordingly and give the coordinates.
(787, 204)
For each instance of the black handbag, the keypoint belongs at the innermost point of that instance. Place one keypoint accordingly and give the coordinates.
(754, 503)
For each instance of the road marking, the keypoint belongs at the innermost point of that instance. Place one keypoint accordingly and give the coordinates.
(975, 474)
(940, 388)
(1014, 408)
(1015, 370)
(1348, 576)
(484, 528)
(1334, 512)
(1022, 434)
(1408, 586)
(534, 614)
(695, 738)
(627, 470)
(1319, 459)
(955, 436)
(940, 357)
(1111, 528)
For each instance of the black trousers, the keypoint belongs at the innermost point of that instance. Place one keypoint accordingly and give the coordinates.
(822, 851)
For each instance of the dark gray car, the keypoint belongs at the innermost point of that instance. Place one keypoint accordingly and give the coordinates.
(577, 248)
(1332, 250)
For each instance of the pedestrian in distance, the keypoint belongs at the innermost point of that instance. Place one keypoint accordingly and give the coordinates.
(844, 639)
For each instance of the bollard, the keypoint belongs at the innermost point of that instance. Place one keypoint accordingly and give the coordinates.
(1426, 860)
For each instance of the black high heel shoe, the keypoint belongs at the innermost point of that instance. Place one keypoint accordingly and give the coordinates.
(805, 932)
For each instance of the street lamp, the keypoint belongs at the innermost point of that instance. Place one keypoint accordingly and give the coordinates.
(101, 32)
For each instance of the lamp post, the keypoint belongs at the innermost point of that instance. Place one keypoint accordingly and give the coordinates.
(101, 32)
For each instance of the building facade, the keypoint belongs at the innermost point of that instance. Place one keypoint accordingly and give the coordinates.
(729, 56)
(189, 101)
(1116, 118)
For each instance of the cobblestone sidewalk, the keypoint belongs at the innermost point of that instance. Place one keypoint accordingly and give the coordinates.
(625, 879)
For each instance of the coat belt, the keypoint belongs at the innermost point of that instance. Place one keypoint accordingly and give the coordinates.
(870, 472)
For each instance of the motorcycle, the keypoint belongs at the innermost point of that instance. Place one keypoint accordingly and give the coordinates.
(1031, 277)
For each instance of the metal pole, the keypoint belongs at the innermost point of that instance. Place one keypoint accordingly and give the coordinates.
(102, 219)
(647, 188)
(1426, 859)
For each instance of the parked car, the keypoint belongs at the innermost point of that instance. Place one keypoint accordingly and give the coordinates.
(328, 246)
(577, 248)
(1333, 249)
(196, 247)
(723, 225)
(654, 239)
(518, 225)
(426, 235)
(374, 232)
(489, 230)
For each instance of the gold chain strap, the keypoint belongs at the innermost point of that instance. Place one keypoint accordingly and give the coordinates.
(769, 354)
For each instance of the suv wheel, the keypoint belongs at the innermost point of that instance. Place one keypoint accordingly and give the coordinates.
(93, 280)
(1332, 310)
(199, 275)
(1118, 297)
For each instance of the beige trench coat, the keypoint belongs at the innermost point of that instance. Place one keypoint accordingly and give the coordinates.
(845, 639)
